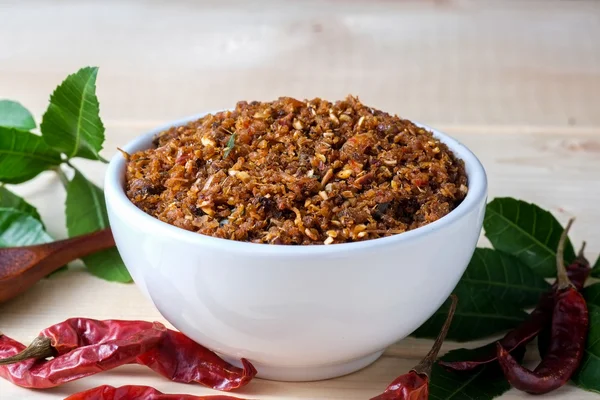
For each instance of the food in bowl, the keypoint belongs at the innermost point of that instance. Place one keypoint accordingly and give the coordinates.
(296, 312)
(297, 173)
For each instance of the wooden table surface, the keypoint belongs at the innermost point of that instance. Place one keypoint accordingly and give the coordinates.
(516, 81)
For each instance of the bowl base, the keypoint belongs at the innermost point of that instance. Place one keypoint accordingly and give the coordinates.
(309, 373)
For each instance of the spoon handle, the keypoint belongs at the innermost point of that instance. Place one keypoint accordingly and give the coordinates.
(67, 250)
(21, 267)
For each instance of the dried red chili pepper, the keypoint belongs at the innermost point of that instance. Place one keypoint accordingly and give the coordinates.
(567, 342)
(106, 392)
(415, 384)
(26, 367)
(175, 357)
(172, 355)
(180, 359)
(578, 272)
(536, 324)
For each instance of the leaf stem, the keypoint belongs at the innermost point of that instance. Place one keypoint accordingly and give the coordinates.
(62, 176)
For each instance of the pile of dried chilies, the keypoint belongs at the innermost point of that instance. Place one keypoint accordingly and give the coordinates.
(560, 321)
(80, 347)
(568, 334)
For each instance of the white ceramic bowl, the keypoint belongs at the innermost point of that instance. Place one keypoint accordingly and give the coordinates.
(296, 312)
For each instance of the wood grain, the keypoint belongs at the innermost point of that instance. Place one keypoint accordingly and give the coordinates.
(516, 81)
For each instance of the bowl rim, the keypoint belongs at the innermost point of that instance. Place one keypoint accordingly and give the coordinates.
(116, 198)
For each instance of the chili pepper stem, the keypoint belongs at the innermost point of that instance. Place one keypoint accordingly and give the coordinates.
(562, 278)
(424, 367)
(580, 253)
(40, 348)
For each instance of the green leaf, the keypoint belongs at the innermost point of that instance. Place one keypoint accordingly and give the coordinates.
(86, 212)
(14, 115)
(492, 293)
(504, 278)
(596, 268)
(592, 294)
(108, 265)
(20, 229)
(484, 383)
(230, 145)
(478, 315)
(527, 232)
(588, 375)
(10, 200)
(23, 155)
(72, 122)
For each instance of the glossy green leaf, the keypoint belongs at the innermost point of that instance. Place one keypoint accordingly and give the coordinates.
(484, 383)
(24, 155)
(10, 200)
(588, 375)
(504, 278)
(478, 315)
(14, 115)
(86, 212)
(527, 232)
(72, 121)
(20, 229)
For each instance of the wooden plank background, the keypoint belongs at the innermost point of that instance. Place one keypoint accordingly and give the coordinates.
(516, 81)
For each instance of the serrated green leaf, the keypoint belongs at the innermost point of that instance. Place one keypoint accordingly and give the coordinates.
(86, 212)
(72, 121)
(527, 232)
(478, 315)
(10, 200)
(588, 375)
(504, 278)
(14, 115)
(20, 229)
(23, 155)
(484, 383)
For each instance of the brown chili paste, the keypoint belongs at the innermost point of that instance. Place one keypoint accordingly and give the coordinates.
(293, 172)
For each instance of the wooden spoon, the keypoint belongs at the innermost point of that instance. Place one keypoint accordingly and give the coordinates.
(21, 267)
